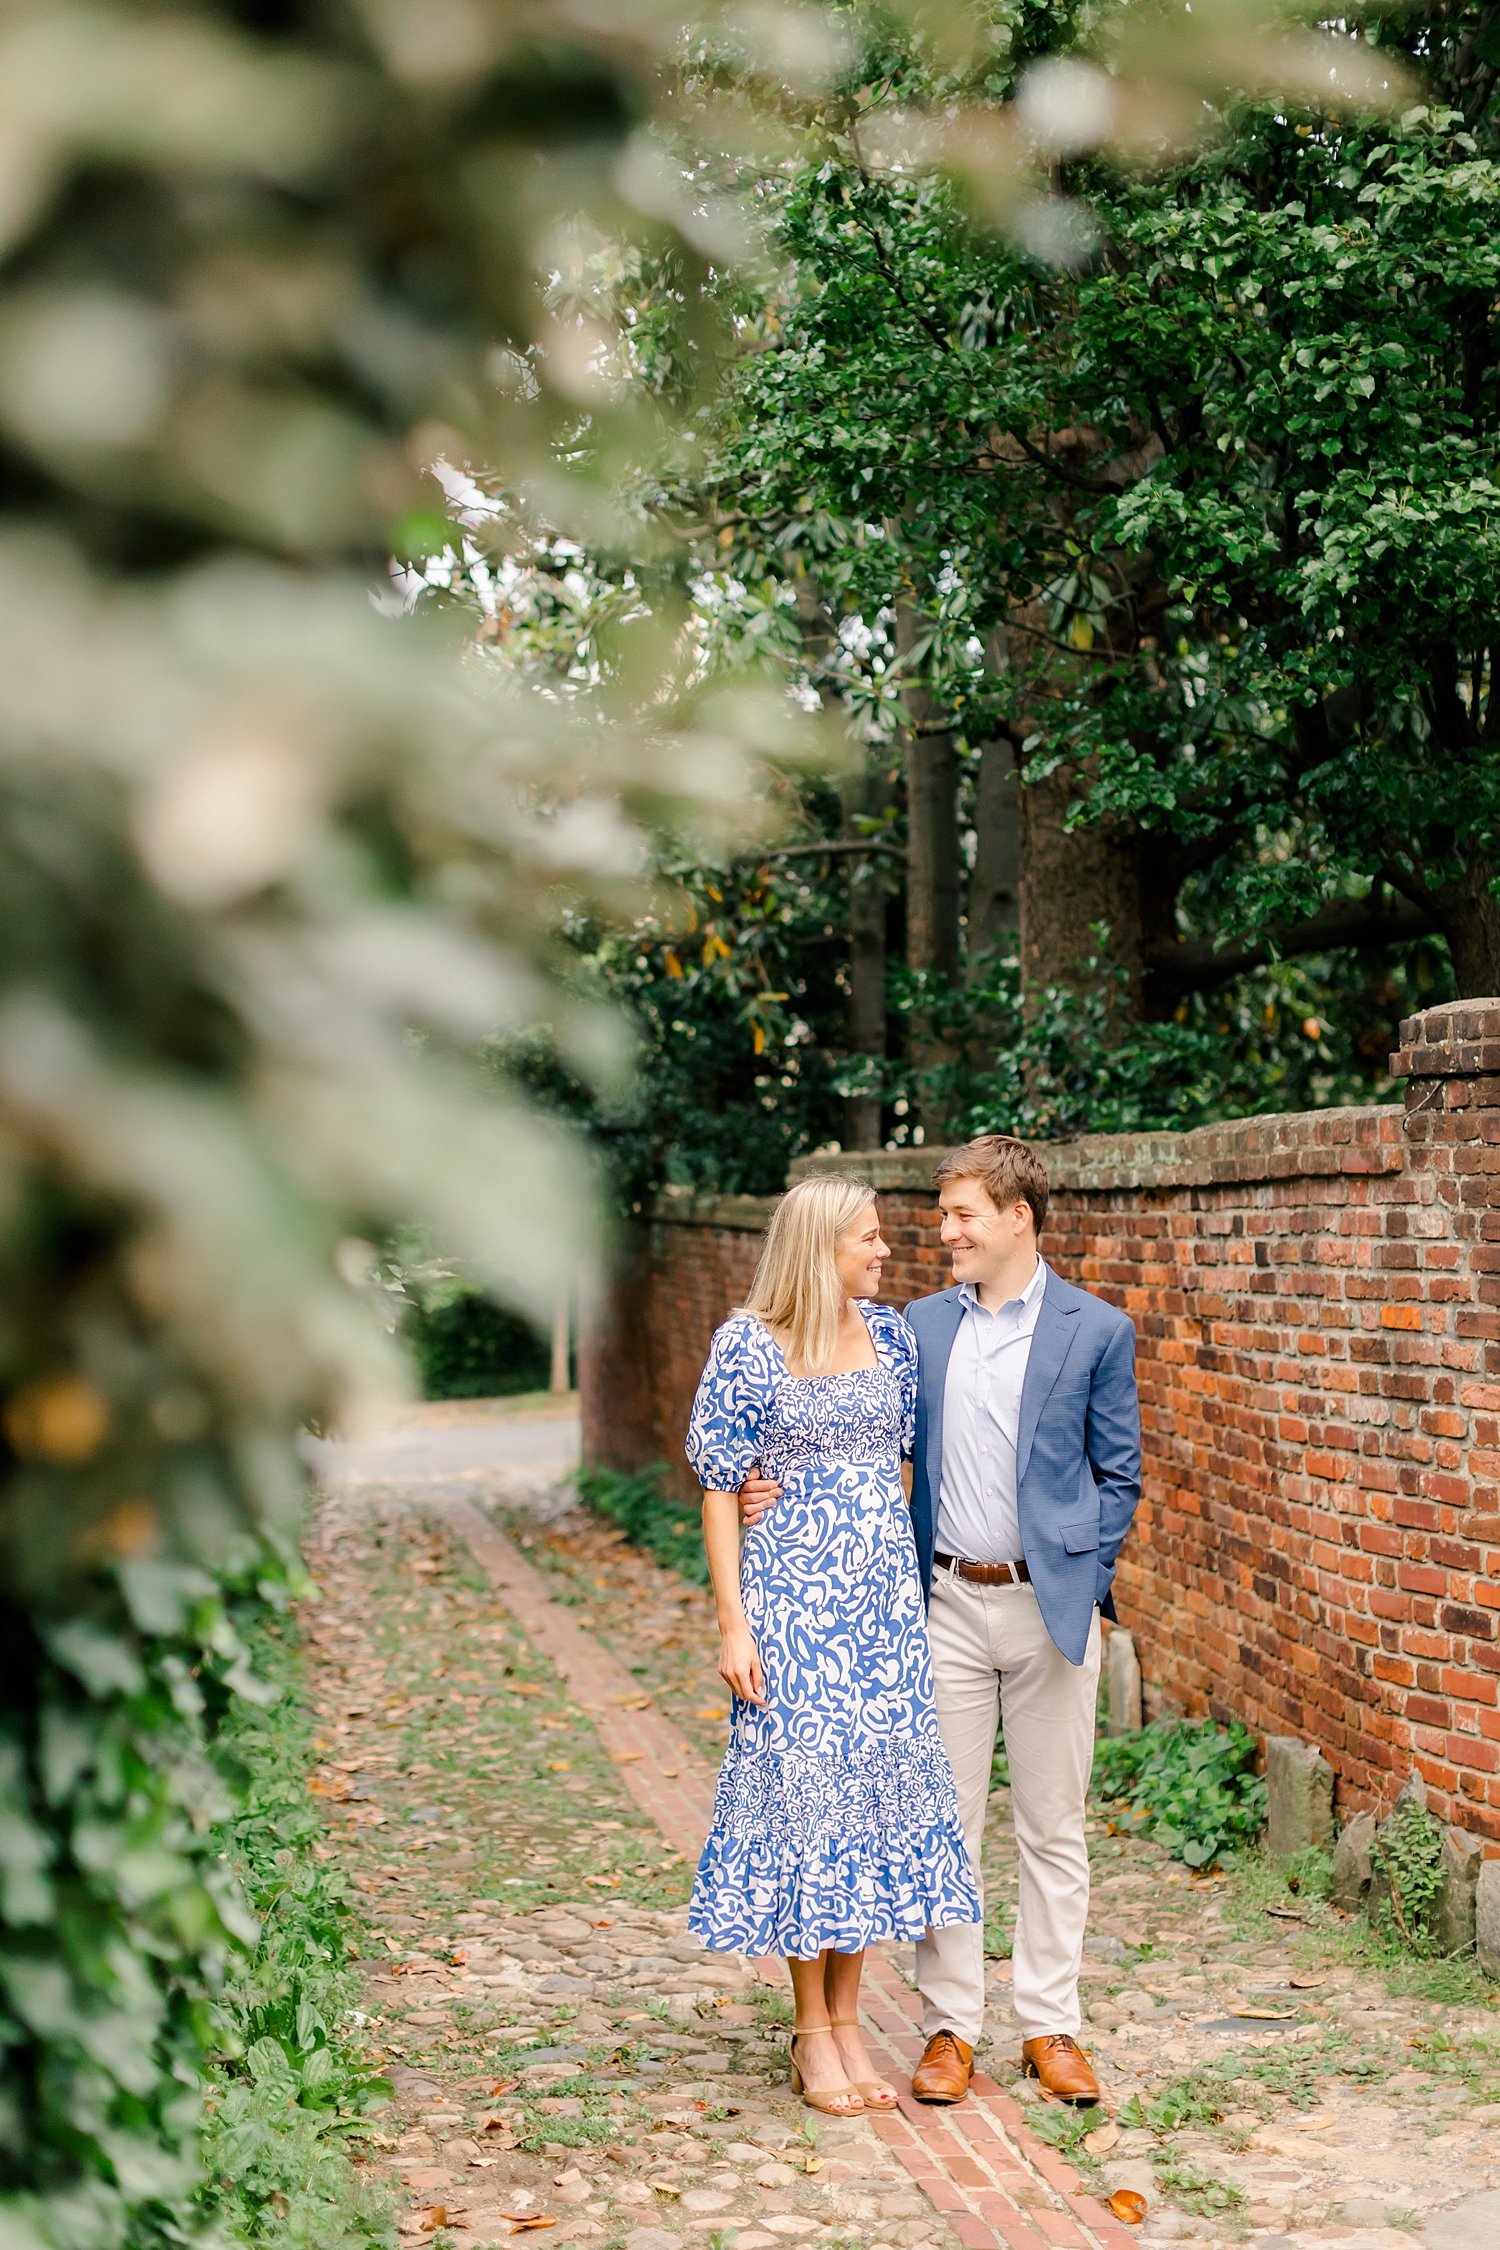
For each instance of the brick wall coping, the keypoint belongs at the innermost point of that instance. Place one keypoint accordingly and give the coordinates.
(1460, 1039)
(1299, 1145)
(738, 1214)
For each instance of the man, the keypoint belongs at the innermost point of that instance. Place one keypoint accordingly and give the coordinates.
(1026, 1475)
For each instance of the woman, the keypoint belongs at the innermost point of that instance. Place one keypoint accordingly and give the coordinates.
(835, 1822)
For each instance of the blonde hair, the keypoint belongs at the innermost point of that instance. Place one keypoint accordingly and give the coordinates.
(796, 1290)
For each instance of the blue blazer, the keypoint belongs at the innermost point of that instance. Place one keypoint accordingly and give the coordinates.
(1078, 1450)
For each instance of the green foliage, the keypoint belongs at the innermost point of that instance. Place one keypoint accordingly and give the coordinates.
(734, 996)
(1188, 1784)
(292, 2085)
(669, 1529)
(119, 1919)
(1300, 1035)
(1408, 1858)
(1205, 526)
(1194, 2188)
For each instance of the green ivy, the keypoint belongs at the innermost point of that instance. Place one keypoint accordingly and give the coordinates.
(293, 2087)
(175, 2039)
(118, 1915)
(1189, 1785)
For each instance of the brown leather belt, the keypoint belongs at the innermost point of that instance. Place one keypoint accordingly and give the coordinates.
(985, 1573)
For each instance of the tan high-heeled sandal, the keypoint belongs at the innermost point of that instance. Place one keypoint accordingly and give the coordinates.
(833, 2101)
(875, 2093)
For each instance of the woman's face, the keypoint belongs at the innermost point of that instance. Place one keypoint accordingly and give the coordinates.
(860, 1254)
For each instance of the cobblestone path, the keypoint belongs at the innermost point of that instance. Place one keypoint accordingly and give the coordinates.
(520, 1721)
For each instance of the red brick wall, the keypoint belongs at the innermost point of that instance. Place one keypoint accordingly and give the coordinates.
(1317, 1302)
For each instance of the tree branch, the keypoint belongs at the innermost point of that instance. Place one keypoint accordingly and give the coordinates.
(1198, 963)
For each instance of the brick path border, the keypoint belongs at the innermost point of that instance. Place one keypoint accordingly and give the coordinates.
(999, 2187)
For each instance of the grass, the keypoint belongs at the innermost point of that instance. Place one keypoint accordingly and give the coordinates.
(296, 2089)
(1330, 1939)
(483, 1729)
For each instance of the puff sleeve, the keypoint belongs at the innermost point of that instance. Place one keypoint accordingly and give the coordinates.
(723, 1439)
(897, 1346)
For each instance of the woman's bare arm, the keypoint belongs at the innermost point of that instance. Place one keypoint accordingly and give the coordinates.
(739, 1662)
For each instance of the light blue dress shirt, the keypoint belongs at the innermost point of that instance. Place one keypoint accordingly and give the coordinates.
(977, 1517)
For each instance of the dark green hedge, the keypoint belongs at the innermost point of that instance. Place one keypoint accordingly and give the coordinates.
(468, 1348)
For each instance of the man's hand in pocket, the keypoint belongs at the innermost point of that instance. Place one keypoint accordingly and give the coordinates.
(757, 1494)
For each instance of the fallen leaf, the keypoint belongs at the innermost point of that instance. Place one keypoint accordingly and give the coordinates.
(627, 1757)
(1128, 2205)
(812, 2163)
(669, 1773)
(1102, 2139)
(560, 1765)
(505, 2085)
(711, 1711)
(483, 2163)
(1287, 1913)
(663, 2187)
(425, 2222)
(1303, 1981)
(1264, 2015)
(521, 1687)
(531, 2219)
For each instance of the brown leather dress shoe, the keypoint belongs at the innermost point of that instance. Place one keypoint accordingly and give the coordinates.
(1062, 2066)
(944, 2072)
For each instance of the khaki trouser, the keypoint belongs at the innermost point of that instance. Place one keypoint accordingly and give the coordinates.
(992, 1656)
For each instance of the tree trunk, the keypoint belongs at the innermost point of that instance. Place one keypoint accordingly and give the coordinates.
(1072, 881)
(866, 796)
(995, 885)
(933, 860)
(1470, 915)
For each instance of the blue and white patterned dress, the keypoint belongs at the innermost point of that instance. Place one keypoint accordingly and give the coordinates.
(835, 1820)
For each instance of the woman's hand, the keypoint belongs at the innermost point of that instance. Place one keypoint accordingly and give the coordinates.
(739, 1665)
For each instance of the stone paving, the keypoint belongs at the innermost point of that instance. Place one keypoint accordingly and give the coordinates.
(578, 2060)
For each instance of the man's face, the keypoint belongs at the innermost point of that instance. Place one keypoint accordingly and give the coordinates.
(980, 1239)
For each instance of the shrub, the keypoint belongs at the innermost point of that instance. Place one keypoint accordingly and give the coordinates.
(1188, 1784)
(465, 1346)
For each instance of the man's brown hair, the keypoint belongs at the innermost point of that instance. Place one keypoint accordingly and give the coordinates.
(1007, 1170)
